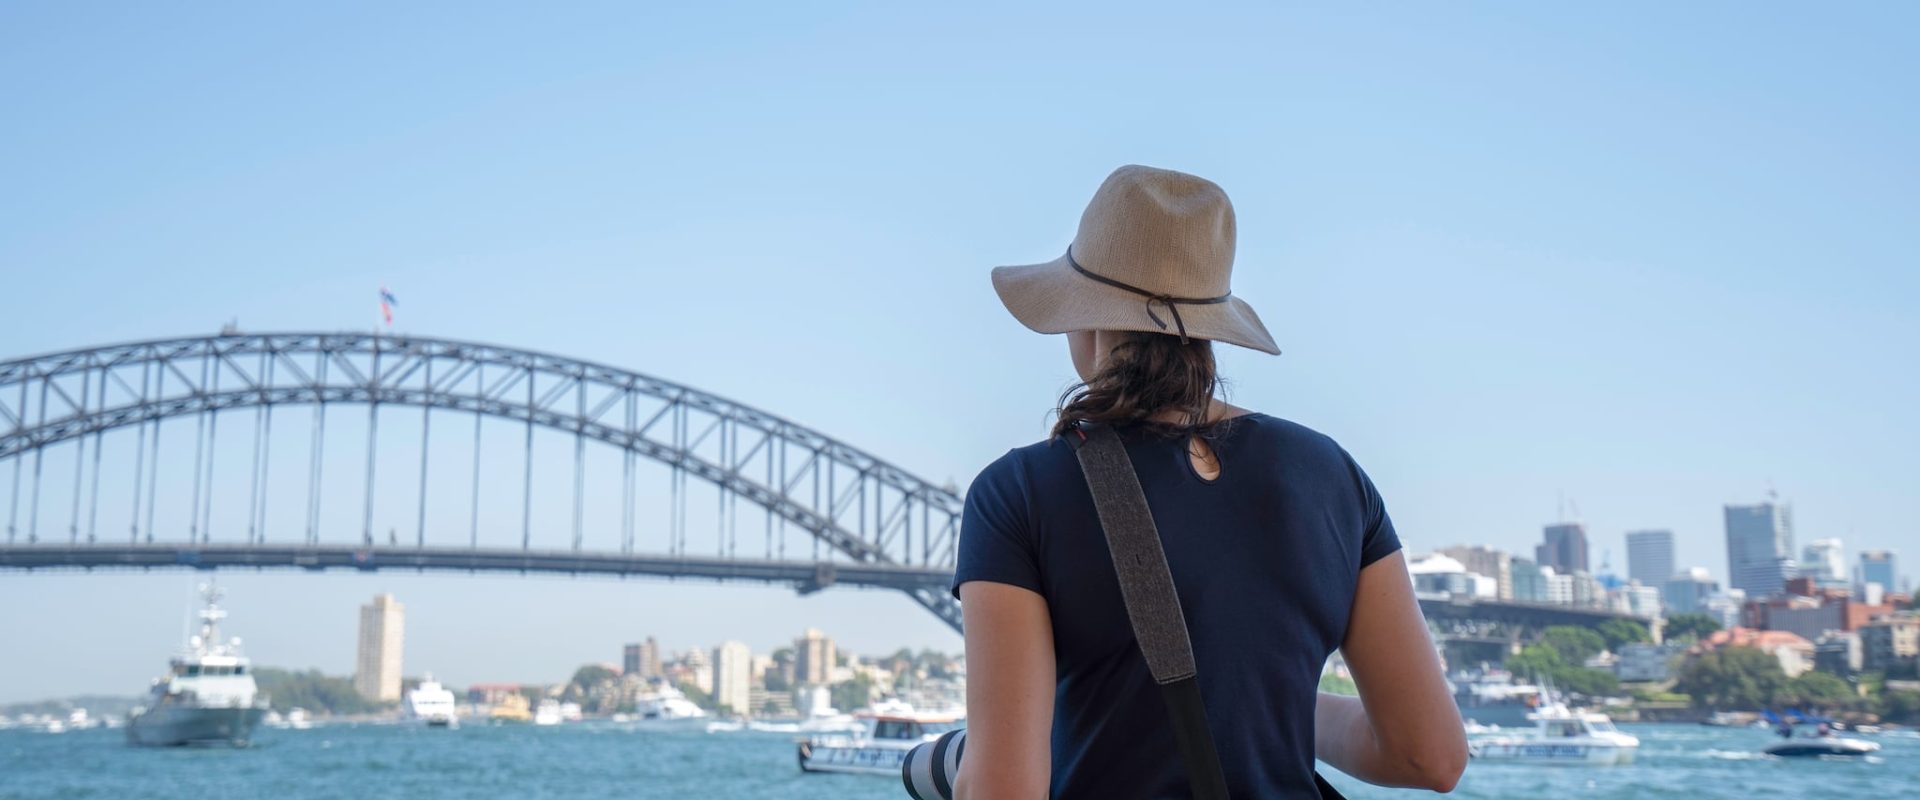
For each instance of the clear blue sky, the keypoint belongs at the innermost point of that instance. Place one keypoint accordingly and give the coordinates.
(1653, 259)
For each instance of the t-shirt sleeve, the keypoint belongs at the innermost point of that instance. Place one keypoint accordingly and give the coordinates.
(996, 537)
(1377, 539)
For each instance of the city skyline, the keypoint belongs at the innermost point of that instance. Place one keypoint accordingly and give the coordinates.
(1624, 281)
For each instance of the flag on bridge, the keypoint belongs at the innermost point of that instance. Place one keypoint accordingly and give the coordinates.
(386, 305)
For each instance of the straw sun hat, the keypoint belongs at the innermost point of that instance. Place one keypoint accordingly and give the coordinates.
(1154, 253)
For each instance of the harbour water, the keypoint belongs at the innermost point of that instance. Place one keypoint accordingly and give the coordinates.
(601, 759)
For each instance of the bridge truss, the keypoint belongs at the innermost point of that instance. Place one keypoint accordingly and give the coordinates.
(866, 522)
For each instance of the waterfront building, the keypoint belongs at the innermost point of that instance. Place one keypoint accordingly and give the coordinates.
(1891, 645)
(1877, 566)
(1726, 607)
(813, 659)
(1810, 611)
(1529, 581)
(1687, 592)
(1633, 598)
(1839, 653)
(733, 677)
(698, 669)
(1824, 562)
(1434, 573)
(376, 673)
(1650, 556)
(1642, 661)
(1793, 651)
(642, 659)
(1564, 548)
(1483, 560)
(1759, 548)
(1559, 587)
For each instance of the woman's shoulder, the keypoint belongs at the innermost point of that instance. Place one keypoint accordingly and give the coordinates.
(1291, 437)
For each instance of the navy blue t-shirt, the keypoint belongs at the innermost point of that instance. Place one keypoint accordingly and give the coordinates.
(1265, 559)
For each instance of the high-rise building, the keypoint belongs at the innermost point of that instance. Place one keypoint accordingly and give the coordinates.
(733, 677)
(1759, 548)
(1565, 548)
(1529, 581)
(813, 659)
(1482, 560)
(641, 659)
(1650, 557)
(1687, 592)
(1877, 566)
(1824, 562)
(376, 673)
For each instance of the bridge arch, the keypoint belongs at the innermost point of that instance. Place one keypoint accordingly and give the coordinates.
(864, 509)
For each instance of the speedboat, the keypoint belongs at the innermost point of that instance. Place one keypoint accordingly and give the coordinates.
(1818, 743)
(1561, 736)
(1818, 746)
(880, 747)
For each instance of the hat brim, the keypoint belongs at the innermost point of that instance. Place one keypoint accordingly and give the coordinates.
(1053, 298)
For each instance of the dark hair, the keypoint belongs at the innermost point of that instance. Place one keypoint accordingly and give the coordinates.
(1143, 375)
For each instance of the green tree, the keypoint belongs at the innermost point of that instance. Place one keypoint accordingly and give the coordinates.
(309, 689)
(1689, 627)
(1544, 663)
(1901, 707)
(695, 694)
(1619, 632)
(852, 694)
(1817, 690)
(1574, 644)
(1731, 678)
(1334, 684)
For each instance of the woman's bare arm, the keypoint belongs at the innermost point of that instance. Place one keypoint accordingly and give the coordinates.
(1403, 729)
(1010, 682)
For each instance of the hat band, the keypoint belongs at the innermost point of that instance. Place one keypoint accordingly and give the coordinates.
(1172, 303)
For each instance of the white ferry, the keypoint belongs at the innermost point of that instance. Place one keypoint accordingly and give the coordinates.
(207, 696)
(880, 747)
(432, 704)
(1581, 738)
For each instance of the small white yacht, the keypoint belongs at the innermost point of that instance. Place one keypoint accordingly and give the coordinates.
(880, 747)
(667, 704)
(547, 713)
(1560, 736)
(432, 704)
(207, 696)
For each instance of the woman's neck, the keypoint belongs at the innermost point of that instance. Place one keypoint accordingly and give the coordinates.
(1216, 410)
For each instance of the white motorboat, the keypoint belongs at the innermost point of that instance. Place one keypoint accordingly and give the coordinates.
(547, 713)
(432, 704)
(1561, 736)
(880, 747)
(207, 696)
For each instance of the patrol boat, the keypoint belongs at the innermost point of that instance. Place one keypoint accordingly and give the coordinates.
(1562, 736)
(207, 697)
(881, 746)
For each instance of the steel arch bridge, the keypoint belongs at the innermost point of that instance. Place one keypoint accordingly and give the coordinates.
(869, 522)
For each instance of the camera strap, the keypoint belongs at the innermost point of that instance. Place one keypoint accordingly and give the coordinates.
(1153, 605)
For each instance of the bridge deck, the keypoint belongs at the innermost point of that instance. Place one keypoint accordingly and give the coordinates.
(324, 557)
